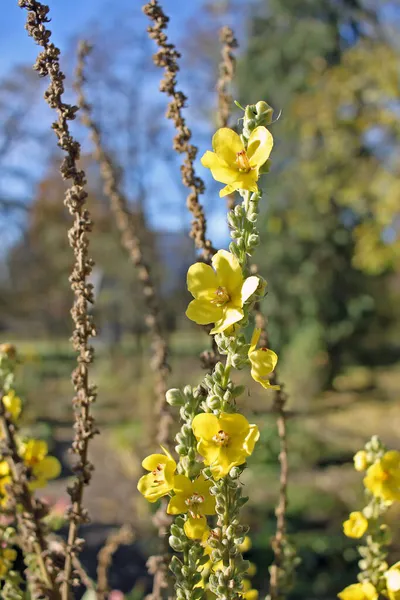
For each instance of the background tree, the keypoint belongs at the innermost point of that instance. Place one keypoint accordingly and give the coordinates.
(330, 68)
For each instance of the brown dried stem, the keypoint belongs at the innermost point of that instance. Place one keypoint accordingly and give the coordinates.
(227, 68)
(279, 409)
(131, 241)
(281, 509)
(123, 536)
(29, 519)
(47, 64)
(167, 56)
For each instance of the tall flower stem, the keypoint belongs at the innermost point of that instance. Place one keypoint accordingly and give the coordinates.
(47, 64)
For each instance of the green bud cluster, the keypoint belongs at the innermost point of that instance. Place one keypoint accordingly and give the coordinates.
(227, 536)
(186, 572)
(189, 401)
(235, 346)
(256, 115)
(373, 557)
(221, 390)
(242, 222)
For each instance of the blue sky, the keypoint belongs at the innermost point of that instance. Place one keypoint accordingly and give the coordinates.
(15, 46)
(68, 19)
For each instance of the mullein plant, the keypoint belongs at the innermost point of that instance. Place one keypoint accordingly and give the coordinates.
(37, 467)
(382, 488)
(215, 440)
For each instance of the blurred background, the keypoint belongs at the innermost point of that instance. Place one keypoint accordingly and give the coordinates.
(330, 252)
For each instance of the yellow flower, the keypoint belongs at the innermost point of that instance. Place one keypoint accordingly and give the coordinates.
(356, 525)
(224, 442)
(234, 165)
(5, 480)
(248, 592)
(245, 546)
(193, 498)
(360, 461)
(263, 362)
(359, 591)
(219, 294)
(160, 480)
(12, 404)
(392, 577)
(41, 467)
(383, 477)
(7, 557)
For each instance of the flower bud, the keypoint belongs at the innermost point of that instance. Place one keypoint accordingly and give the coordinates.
(360, 461)
(264, 113)
(174, 397)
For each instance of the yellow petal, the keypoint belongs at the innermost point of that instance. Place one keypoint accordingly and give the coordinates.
(183, 486)
(195, 528)
(205, 426)
(4, 468)
(228, 189)
(202, 281)
(234, 424)
(177, 505)
(356, 525)
(259, 146)
(251, 439)
(391, 460)
(359, 591)
(263, 361)
(226, 144)
(151, 491)
(229, 271)
(254, 340)
(48, 468)
(203, 312)
(219, 169)
(249, 287)
(230, 317)
(151, 462)
(209, 451)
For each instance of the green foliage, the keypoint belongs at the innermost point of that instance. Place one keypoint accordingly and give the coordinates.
(328, 246)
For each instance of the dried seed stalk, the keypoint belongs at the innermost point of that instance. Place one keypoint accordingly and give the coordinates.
(122, 537)
(131, 241)
(30, 527)
(281, 509)
(281, 422)
(167, 56)
(226, 74)
(227, 69)
(48, 64)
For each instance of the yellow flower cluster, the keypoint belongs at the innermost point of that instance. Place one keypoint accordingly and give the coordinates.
(223, 442)
(41, 468)
(382, 481)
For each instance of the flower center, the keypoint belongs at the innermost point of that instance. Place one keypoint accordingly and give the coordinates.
(221, 296)
(193, 503)
(221, 438)
(242, 161)
(385, 476)
(158, 474)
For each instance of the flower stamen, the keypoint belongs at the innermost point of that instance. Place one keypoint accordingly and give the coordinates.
(222, 297)
(242, 161)
(221, 438)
